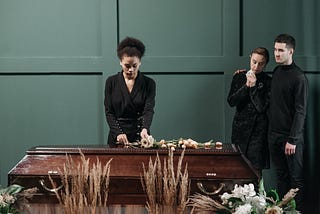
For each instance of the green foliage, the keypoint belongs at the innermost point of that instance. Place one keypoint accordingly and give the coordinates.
(12, 189)
(8, 198)
(273, 195)
(291, 205)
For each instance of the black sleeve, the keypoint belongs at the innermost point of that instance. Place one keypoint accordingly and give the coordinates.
(260, 95)
(109, 111)
(148, 110)
(238, 90)
(300, 109)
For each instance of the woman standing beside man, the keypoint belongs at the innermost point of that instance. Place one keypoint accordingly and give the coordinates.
(249, 93)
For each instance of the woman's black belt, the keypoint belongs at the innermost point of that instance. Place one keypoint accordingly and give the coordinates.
(120, 119)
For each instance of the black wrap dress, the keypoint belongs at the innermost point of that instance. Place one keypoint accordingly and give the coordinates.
(128, 112)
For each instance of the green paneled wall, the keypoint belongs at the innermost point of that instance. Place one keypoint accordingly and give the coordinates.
(182, 35)
(50, 28)
(56, 55)
(52, 58)
(189, 106)
(48, 110)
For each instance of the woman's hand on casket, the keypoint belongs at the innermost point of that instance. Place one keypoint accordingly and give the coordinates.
(122, 139)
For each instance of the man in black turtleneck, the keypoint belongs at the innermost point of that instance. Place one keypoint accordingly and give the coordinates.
(288, 105)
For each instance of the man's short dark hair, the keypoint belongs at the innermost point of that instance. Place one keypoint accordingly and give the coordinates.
(286, 38)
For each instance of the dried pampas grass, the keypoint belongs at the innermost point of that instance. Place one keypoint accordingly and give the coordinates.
(167, 190)
(205, 204)
(85, 186)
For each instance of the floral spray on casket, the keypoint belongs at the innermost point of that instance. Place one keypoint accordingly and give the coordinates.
(245, 200)
(15, 198)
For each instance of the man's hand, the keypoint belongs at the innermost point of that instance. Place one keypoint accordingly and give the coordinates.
(290, 149)
(239, 71)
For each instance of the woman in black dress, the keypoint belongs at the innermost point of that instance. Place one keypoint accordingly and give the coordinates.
(129, 97)
(249, 93)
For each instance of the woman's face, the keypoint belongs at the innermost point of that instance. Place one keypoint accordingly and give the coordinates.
(130, 66)
(257, 63)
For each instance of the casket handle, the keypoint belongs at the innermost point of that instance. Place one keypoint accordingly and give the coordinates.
(203, 190)
(54, 190)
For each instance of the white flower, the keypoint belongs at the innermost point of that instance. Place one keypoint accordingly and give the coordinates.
(147, 142)
(151, 139)
(2, 202)
(9, 198)
(248, 196)
(248, 190)
(245, 200)
(225, 197)
(207, 144)
(237, 192)
(243, 209)
(244, 192)
(259, 202)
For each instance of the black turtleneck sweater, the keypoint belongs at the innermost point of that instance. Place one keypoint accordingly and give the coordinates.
(288, 103)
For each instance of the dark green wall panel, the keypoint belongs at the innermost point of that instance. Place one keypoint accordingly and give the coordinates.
(263, 21)
(52, 58)
(175, 28)
(182, 35)
(46, 28)
(48, 110)
(189, 106)
(73, 35)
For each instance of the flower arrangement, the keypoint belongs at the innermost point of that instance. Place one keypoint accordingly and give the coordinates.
(245, 200)
(14, 197)
(8, 198)
(182, 143)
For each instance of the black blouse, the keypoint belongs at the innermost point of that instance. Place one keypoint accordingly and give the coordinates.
(129, 112)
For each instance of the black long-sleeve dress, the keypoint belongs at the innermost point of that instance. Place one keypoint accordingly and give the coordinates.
(128, 113)
(250, 122)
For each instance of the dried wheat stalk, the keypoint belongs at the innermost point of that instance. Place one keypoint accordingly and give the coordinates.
(165, 187)
(85, 187)
(202, 203)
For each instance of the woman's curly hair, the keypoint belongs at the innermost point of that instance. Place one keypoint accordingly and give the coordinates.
(130, 47)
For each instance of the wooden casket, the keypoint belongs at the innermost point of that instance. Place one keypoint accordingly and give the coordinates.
(209, 169)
